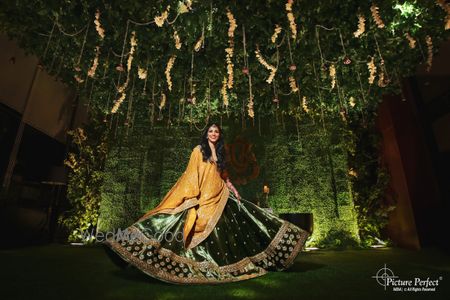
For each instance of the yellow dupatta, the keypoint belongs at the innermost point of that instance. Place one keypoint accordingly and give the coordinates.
(202, 191)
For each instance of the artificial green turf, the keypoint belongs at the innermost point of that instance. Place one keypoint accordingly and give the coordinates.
(74, 272)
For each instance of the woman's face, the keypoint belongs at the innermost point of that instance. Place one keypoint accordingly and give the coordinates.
(213, 134)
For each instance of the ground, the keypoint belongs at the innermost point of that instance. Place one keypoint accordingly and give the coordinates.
(85, 272)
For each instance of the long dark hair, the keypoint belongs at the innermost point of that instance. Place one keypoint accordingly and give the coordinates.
(220, 147)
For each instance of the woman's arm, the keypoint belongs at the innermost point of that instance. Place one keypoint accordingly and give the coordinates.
(233, 189)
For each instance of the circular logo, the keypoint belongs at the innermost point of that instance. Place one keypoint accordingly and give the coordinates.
(383, 275)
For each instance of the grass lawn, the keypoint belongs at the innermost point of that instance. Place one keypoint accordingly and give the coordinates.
(79, 272)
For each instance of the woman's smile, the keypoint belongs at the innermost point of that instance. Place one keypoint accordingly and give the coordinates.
(213, 134)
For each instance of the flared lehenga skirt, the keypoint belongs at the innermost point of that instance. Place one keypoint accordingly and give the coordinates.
(246, 242)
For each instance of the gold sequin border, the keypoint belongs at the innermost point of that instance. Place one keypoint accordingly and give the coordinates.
(223, 271)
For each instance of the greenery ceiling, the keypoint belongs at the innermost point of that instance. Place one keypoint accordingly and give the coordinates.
(188, 61)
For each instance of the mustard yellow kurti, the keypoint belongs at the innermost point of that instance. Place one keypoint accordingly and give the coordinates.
(202, 191)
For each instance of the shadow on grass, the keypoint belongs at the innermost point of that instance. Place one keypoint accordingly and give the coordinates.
(133, 274)
(302, 267)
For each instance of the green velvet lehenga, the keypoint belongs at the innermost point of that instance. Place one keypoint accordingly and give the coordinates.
(246, 242)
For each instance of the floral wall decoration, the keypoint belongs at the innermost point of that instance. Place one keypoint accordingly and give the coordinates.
(279, 34)
(157, 64)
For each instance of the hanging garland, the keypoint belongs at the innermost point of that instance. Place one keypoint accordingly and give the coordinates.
(68, 37)
(372, 70)
(230, 49)
(275, 34)
(411, 41)
(446, 7)
(122, 88)
(361, 26)
(376, 16)
(91, 72)
(159, 20)
(167, 72)
(291, 19)
(177, 40)
(268, 66)
(98, 26)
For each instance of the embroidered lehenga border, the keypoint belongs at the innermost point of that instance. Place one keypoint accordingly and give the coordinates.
(161, 263)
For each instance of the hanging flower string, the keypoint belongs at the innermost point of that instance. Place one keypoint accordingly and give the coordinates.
(376, 16)
(91, 72)
(372, 70)
(121, 89)
(292, 68)
(275, 34)
(305, 104)
(352, 102)
(411, 41)
(381, 80)
(78, 78)
(167, 72)
(251, 112)
(361, 26)
(429, 42)
(142, 73)
(162, 101)
(269, 67)
(199, 43)
(133, 43)
(224, 93)
(293, 84)
(98, 26)
(177, 40)
(229, 51)
(159, 20)
(333, 76)
(291, 19)
(446, 7)
(246, 71)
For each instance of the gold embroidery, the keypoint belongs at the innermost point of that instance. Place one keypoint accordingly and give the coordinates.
(209, 272)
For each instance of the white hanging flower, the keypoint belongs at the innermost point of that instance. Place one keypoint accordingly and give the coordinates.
(361, 26)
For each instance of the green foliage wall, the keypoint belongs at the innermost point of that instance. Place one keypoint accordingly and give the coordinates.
(306, 170)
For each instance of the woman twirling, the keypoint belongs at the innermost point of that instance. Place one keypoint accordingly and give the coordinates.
(204, 232)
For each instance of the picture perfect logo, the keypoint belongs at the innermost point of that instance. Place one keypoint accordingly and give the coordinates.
(387, 279)
(384, 275)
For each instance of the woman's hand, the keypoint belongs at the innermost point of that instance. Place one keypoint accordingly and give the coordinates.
(233, 189)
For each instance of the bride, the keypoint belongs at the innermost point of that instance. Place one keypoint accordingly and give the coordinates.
(204, 232)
